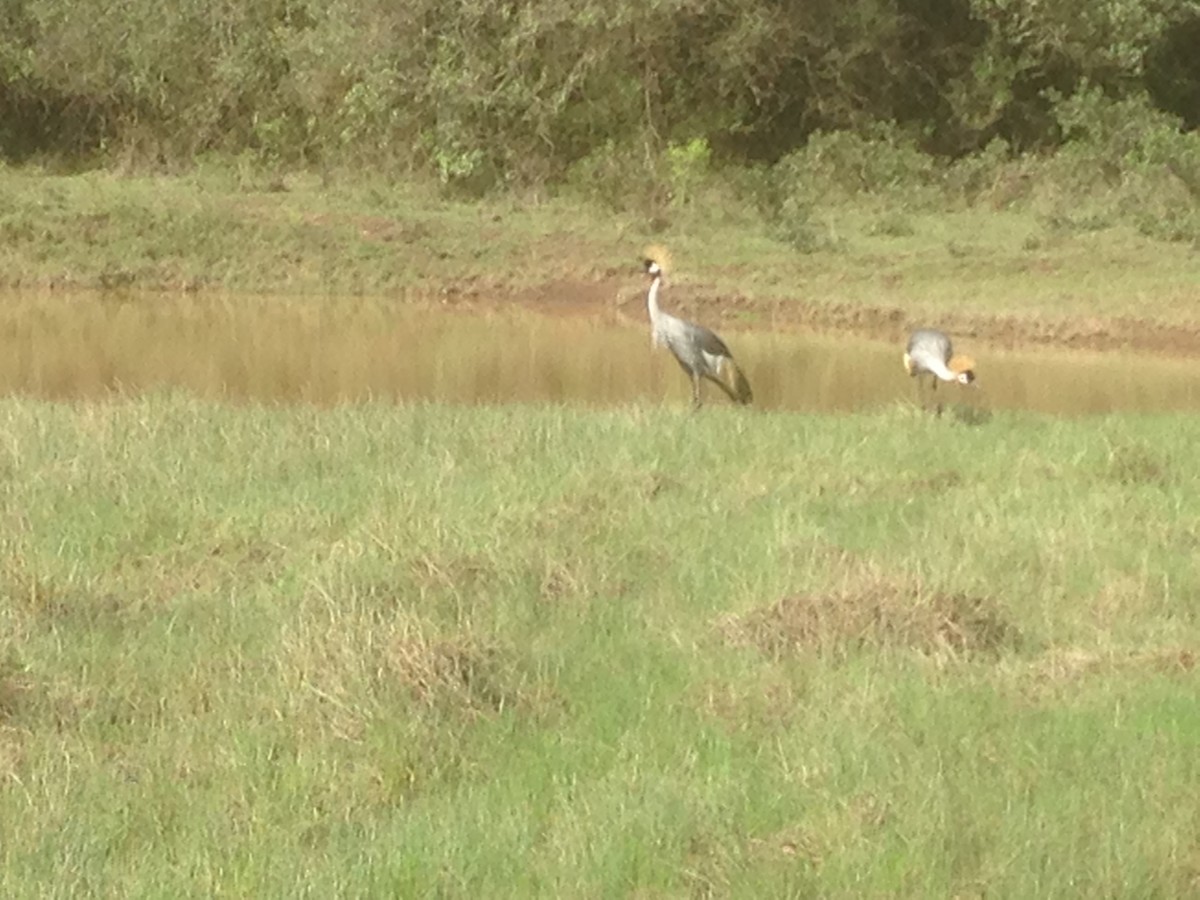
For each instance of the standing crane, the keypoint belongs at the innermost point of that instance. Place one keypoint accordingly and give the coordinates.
(930, 352)
(699, 352)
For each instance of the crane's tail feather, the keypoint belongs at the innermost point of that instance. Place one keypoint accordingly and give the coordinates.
(737, 387)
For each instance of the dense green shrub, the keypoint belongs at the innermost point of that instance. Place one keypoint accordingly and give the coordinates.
(1125, 161)
(482, 93)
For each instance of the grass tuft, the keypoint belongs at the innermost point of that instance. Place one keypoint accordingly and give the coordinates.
(877, 614)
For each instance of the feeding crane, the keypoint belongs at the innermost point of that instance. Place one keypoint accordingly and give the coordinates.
(929, 352)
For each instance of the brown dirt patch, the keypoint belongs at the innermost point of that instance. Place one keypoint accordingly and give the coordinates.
(875, 613)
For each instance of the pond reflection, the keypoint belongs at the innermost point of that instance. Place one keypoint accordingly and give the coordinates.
(331, 350)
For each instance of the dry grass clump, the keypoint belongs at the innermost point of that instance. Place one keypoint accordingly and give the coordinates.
(15, 686)
(50, 601)
(875, 612)
(1063, 668)
(458, 669)
(372, 656)
(1136, 464)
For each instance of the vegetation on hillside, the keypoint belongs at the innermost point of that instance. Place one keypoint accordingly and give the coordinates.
(492, 91)
(635, 104)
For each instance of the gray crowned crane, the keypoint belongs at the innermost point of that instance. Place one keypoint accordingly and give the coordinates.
(699, 352)
(929, 352)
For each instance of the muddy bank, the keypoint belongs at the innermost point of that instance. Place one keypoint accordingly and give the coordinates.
(622, 298)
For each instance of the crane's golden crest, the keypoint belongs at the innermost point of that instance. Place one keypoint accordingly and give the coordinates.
(659, 254)
(959, 364)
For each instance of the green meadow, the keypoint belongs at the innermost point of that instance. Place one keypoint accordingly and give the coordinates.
(428, 650)
(266, 634)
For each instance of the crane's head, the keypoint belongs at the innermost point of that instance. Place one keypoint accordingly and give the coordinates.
(656, 260)
(963, 368)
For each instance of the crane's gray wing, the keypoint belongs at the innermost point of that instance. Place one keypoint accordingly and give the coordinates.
(930, 342)
(708, 341)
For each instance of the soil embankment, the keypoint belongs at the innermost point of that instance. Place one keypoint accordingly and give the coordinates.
(614, 296)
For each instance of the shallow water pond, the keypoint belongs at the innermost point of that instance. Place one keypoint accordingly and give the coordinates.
(330, 350)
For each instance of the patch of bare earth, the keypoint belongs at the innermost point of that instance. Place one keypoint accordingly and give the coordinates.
(875, 612)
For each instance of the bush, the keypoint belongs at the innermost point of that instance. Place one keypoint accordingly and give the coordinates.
(485, 93)
(880, 159)
(1138, 157)
(620, 178)
(687, 168)
(990, 173)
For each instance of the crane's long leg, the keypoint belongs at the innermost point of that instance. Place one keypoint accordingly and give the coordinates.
(937, 406)
(695, 391)
(923, 396)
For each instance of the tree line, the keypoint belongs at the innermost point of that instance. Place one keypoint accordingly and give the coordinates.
(500, 91)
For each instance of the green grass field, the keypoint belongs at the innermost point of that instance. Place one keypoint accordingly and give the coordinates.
(544, 651)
